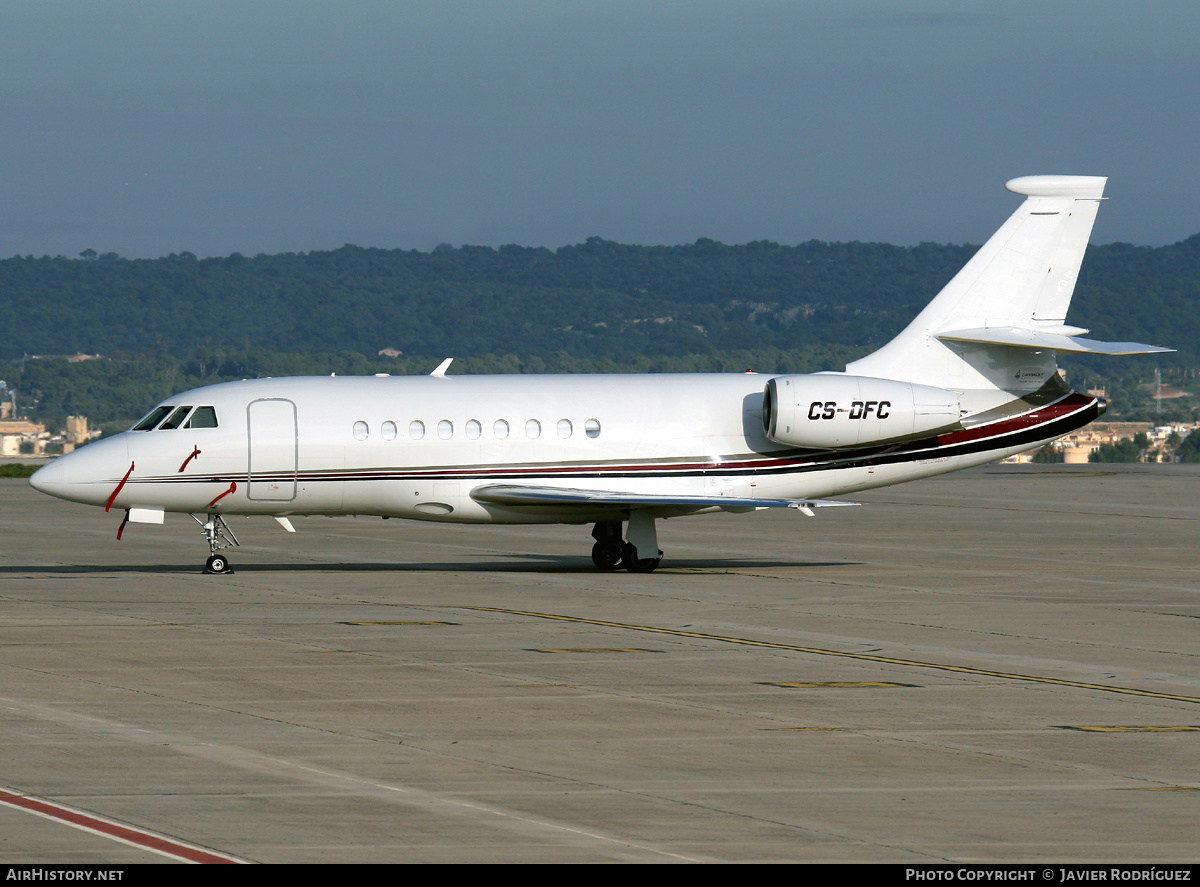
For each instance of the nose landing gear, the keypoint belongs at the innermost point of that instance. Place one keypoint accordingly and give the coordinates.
(219, 537)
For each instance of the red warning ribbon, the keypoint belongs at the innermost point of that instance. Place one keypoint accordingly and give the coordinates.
(195, 453)
(111, 498)
(232, 488)
(124, 521)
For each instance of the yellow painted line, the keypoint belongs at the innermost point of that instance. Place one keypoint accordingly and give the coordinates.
(861, 657)
(1134, 728)
(406, 622)
(807, 729)
(814, 685)
(595, 650)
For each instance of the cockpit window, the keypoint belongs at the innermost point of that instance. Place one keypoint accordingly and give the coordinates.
(176, 419)
(153, 419)
(204, 417)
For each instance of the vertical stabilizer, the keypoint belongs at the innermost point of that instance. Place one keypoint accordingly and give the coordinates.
(1021, 280)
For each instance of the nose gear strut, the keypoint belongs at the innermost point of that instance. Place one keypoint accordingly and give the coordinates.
(219, 537)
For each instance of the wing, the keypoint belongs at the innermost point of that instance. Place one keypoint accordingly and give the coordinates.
(528, 495)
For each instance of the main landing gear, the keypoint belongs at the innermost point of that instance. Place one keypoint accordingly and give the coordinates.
(219, 537)
(611, 551)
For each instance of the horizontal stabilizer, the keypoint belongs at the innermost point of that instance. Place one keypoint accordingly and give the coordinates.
(1023, 337)
(518, 494)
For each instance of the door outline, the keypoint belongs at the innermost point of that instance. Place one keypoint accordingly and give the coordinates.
(278, 449)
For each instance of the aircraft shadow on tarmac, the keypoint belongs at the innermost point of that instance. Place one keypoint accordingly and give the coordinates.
(515, 564)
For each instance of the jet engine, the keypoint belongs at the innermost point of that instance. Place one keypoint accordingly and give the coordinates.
(834, 411)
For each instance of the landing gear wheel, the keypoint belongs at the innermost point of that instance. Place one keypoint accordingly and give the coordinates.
(607, 554)
(218, 563)
(644, 564)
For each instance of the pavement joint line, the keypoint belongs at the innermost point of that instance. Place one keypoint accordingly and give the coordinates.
(862, 657)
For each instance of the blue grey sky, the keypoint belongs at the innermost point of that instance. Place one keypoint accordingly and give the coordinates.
(145, 128)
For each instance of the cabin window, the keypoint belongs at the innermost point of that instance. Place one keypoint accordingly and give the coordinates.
(153, 419)
(592, 428)
(474, 429)
(500, 429)
(388, 430)
(204, 417)
(445, 429)
(533, 429)
(416, 429)
(176, 419)
(564, 428)
(360, 430)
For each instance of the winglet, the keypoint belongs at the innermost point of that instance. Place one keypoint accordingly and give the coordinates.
(442, 367)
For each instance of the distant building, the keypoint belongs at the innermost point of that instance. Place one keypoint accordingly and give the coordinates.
(20, 437)
(1077, 446)
(69, 358)
(77, 430)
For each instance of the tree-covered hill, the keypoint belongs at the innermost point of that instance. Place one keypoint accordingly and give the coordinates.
(595, 300)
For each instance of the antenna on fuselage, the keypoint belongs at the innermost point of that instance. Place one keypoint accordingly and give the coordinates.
(442, 367)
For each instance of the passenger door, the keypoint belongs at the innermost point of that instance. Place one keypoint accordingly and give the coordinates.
(271, 471)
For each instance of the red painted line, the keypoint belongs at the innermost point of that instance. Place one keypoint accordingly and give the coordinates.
(108, 504)
(125, 833)
(232, 488)
(195, 453)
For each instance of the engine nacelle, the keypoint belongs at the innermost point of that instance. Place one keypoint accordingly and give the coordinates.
(832, 411)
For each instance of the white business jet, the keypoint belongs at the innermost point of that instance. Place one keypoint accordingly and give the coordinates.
(972, 379)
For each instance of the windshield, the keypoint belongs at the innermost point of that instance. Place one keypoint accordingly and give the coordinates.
(151, 420)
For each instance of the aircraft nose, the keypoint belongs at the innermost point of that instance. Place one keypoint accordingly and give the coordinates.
(86, 475)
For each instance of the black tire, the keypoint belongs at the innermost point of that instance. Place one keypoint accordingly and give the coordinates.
(643, 565)
(607, 554)
(218, 563)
